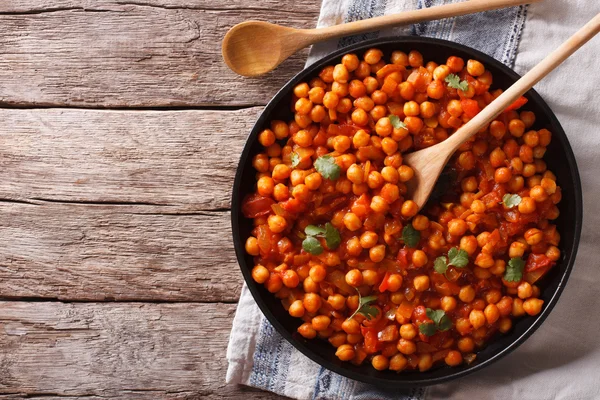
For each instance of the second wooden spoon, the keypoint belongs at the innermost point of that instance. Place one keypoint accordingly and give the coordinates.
(254, 48)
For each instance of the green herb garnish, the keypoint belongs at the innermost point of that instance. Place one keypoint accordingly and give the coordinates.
(441, 322)
(457, 258)
(396, 122)
(514, 270)
(511, 200)
(311, 243)
(327, 167)
(410, 236)
(364, 307)
(454, 82)
(295, 160)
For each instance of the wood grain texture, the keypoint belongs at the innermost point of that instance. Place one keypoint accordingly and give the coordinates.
(134, 53)
(86, 252)
(133, 351)
(182, 159)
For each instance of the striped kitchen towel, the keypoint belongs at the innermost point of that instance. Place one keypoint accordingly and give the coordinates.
(258, 356)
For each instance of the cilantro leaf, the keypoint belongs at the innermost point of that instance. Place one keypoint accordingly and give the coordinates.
(440, 265)
(295, 160)
(312, 230)
(312, 245)
(434, 315)
(396, 122)
(441, 322)
(411, 236)
(332, 237)
(326, 166)
(364, 306)
(454, 82)
(511, 200)
(458, 258)
(428, 329)
(514, 270)
(445, 323)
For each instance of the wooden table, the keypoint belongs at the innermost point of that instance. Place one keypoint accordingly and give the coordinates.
(120, 132)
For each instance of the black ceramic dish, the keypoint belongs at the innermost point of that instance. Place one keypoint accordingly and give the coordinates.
(560, 160)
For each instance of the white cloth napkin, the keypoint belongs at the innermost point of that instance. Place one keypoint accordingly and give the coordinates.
(560, 360)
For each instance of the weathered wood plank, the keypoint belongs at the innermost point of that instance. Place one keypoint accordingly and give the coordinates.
(145, 53)
(133, 351)
(185, 159)
(86, 252)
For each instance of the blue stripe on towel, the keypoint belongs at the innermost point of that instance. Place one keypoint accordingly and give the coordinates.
(496, 33)
(271, 359)
(359, 10)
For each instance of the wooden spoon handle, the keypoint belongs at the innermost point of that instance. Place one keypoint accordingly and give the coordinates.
(410, 17)
(521, 86)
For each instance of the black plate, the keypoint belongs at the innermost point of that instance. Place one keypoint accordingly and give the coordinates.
(559, 158)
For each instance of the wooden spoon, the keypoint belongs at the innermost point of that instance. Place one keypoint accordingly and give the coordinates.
(254, 48)
(429, 163)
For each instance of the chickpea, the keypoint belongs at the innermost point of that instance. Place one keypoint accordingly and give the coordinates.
(390, 174)
(252, 246)
(274, 283)
(296, 309)
(502, 175)
(355, 174)
(553, 253)
(391, 193)
(497, 157)
(504, 325)
(517, 308)
(398, 362)
(351, 326)
(524, 290)
(361, 138)
(466, 294)
(370, 277)
(457, 227)
(352, 222)
(345, 352)
(421, 283)
(389, 146)
(354, 278)
(527, 205)
(308, 332)
(533, 306)
(475, 68)
(337, 301)
(491, 313)
(350, 61)
(373, 56)
(448, 303)
(384, 127)
(317, 273)
(309, 285)
(320, 322)
(331, 100)
(380, 362)
(312, 302)
(407, 90)
(409, 209)
(406, 346)
(420, 222)
(533, 236)
(516, 249)
(477, 318)
(466, 344)
(453, 358)
(360, 117)
(260, 274)
(468, 244)
(405, 173)
(377, 253)
(456, 64)
(419, 258)
(290, 278)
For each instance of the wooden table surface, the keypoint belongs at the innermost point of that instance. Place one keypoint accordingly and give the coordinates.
(120, 132)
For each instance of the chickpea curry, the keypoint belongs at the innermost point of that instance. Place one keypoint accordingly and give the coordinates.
(338, 241)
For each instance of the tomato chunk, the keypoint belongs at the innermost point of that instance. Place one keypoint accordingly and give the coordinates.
(520, 102)
(256, 206)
